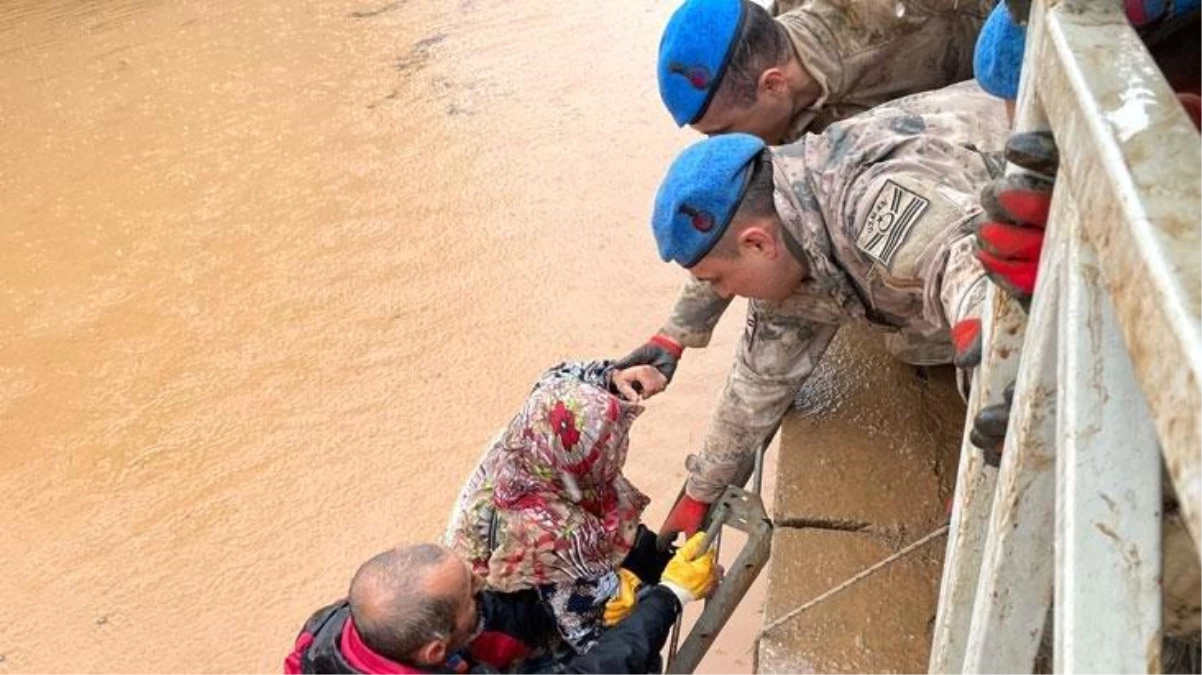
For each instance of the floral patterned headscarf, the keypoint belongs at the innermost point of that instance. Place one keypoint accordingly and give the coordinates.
(548, 502)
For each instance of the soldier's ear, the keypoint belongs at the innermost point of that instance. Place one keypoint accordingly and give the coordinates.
(773, 82)
(758, 240)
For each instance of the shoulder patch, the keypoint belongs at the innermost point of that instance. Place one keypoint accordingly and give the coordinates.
(894, 212)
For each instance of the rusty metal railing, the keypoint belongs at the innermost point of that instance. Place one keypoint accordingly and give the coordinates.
(1108, 383)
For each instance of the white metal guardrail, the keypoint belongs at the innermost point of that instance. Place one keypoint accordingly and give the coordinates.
(1108, 384)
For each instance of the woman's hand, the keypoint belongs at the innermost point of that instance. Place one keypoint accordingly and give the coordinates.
(638, 382)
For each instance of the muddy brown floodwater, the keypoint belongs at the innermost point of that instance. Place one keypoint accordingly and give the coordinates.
(271, 275)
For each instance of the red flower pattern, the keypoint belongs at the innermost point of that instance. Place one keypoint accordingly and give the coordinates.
(569, 427)
(563, 422)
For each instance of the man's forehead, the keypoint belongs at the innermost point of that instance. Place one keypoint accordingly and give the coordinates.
(449, 577)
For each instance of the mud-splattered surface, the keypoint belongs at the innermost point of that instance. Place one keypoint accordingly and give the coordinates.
(271, 275)
(867, 465)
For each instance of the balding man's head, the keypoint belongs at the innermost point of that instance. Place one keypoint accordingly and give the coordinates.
(405, 599)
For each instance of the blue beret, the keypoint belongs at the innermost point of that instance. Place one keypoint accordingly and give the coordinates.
(700, 195)
(693, 53)
(998, 59)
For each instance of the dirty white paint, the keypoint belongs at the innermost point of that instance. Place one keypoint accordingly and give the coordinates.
(975, 484)
(1108, 493)
(1132, 117)
(1113, 356)
(1139, 195)
(1003, 327)
(1014, 589)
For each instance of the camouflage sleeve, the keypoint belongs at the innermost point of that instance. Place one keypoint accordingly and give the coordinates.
(912, 218)
(778, 352)
(697, 311)
(962, 291)
(911, 8)
(975, 8)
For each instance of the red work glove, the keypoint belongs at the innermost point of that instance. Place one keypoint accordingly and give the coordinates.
(1008, 245)
(1010, 240)
(1016, 207)
(660, 351)
(1193, 107)
(966, 340)
(686, 516)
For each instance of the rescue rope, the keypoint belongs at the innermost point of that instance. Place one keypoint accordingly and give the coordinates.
(854, 580)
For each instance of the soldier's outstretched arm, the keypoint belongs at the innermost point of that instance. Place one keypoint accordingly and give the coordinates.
(778, 352)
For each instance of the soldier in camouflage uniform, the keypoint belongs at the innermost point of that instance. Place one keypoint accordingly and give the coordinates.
(869, 221)
(727, 66)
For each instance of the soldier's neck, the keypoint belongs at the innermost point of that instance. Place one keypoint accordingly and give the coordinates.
(795, 251)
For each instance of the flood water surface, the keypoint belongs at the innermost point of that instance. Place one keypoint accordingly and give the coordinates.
(272, 274)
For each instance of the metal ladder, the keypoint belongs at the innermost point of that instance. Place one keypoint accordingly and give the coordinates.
(742, 510)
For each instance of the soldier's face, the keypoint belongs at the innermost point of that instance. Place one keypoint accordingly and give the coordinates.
(768, 117)
(760, 267)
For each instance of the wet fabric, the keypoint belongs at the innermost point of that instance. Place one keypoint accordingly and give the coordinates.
(880, 209)
(548, 507)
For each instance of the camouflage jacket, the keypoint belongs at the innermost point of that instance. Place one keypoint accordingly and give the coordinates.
(879, 208)
(865, 53)
(862, 54)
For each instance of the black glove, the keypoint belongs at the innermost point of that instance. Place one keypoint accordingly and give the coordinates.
(989, 427)
(660, 351)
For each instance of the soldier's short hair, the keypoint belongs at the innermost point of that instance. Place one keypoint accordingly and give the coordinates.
(758, 201)
(762, 44)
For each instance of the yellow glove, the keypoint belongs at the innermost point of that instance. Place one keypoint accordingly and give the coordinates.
(688, 575)
(621, 604)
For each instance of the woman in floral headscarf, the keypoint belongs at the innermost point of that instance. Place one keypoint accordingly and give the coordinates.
(548, 507)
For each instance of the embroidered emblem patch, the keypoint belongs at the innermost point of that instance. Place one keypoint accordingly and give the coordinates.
(894, 213)
(702, 221)
(698, 76)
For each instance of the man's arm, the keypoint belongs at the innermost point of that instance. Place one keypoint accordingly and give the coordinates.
(512, 622)
(633, 645)
(778, 352)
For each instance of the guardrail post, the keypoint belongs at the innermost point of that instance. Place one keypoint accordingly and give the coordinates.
(1108, 483)
(1014, 589)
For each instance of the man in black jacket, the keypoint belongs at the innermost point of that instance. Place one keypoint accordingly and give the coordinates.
(420, 609)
